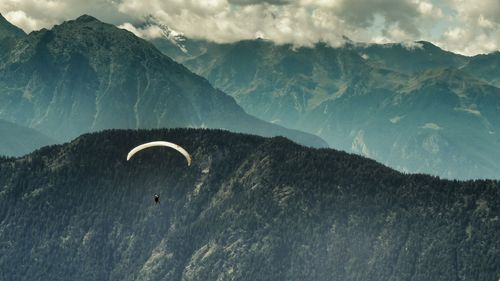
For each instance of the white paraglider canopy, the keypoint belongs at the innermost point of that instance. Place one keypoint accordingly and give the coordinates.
(160, 143)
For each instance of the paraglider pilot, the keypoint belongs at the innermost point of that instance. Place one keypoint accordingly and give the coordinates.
(155, 144)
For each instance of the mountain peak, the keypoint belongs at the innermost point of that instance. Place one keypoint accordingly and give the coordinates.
(427, 43)
(94, 34)
(86, 18)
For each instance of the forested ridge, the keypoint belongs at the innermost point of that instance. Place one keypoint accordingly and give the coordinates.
(249, 208)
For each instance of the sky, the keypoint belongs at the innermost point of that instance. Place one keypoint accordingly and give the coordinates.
(467, 27)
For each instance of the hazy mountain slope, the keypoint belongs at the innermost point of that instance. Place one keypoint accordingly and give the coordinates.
(408, 57)
(279, 83)
(440, 121)
(16, 140)
(85, 75)
(248, 208)
(486, 67)
(181, 48)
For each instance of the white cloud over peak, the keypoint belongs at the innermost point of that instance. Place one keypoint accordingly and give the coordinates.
(147, 32)
(20, 19)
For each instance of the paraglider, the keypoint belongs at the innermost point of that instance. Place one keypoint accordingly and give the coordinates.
(159, 143)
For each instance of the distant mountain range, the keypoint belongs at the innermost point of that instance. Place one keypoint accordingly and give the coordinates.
(85, 75)
(16, 140)
(249, 208)
(412, 106)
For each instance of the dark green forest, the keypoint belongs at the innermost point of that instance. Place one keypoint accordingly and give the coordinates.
(249, 208)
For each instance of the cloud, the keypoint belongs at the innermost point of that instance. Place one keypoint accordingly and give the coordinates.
(474, 27)
(147, 32)
(258, 2)
(222, 22)
(488, 9)
(46, 13)
(465, 26)
(20, 19)
(361, 13)
(301, 22)
(412, 45)
(429, 9)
